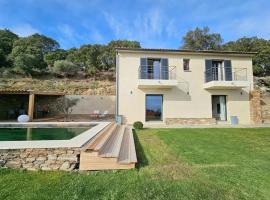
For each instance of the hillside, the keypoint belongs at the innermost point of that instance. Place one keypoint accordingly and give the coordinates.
(68, 86)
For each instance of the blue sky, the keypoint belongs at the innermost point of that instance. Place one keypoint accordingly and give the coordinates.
(155, 23)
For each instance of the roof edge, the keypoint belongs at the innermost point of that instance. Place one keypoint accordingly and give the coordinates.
(185, 51)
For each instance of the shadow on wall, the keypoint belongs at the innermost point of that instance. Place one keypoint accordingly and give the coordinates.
(142, 160)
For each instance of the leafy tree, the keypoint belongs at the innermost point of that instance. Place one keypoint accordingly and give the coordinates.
(108, 56)
(52, 56)
(2, 58)
(65, 105)
(35, 45)
(65, 68)
(202, 39)
(261, 61)
(25, 64)
(7, 39)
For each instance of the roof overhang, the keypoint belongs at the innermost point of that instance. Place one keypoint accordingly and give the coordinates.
(185, 52)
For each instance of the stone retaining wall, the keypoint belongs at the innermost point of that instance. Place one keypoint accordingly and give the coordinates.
(260, 107)
(190, 121)
(255, 107)
(66, 159)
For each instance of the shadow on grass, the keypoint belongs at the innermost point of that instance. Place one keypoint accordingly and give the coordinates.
(141, 157)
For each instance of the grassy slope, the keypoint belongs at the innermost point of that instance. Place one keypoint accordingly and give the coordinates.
(174, 164)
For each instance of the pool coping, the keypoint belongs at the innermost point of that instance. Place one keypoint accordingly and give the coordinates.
(75, 142)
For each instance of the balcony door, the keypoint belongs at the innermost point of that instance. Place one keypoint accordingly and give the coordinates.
(154, 68)
(153, 110)
(218, 70)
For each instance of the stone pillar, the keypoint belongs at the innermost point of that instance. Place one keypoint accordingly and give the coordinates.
(255, 107)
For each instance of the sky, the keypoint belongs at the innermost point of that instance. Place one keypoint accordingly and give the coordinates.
(154, 23)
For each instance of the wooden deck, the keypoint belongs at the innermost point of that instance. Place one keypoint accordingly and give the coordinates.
(112, 148)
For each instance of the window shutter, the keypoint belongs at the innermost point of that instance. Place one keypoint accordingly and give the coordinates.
(228, 70)
(143, 68)
(208, 71)
(164, 69)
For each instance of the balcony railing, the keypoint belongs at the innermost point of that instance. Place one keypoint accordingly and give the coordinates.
(225, 74)
(157, 73)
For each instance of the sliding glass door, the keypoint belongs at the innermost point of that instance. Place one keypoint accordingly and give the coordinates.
(154, 107)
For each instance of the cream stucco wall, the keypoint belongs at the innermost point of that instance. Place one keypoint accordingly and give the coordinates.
(188, 99)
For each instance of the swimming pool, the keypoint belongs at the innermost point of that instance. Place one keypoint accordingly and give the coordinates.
(48, 134)
(23, 134)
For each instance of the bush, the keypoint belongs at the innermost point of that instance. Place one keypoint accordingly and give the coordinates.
(65, 68)
(138, 125)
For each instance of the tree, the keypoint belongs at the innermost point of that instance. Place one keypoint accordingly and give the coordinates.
(7, 39)
(35, 45)
(108, 56)
(202, 39)
(261, 61)
(25, 64)
(65, 105)
(65, 68)
(2, 58)
(52, 56)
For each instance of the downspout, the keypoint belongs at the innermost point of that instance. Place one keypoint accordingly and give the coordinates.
(117, 85)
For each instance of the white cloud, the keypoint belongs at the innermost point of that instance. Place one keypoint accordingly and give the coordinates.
(149, 28)
(24, 30)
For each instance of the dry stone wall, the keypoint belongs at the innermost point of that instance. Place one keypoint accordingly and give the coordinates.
(66, 159)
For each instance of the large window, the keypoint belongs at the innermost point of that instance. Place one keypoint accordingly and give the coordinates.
(154, 107)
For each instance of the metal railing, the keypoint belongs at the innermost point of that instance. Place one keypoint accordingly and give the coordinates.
(225, 74)
(157, 73)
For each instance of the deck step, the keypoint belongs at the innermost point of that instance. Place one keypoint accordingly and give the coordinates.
(113, 144)
(127, 153)
(100, 136)
(95, 140)
(112, 148)
(89, 161)
(100, 144)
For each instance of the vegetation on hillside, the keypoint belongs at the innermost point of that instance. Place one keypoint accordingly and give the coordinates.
(37, 55)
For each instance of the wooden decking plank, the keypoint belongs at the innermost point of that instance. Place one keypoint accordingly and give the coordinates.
(97, 138)
(113, 146)
(106, 138)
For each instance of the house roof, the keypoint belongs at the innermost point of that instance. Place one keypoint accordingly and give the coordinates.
(18, 91)
(187, 51)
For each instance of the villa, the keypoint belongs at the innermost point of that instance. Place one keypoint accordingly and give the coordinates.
(183, 87)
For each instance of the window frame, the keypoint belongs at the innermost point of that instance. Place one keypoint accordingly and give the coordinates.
(188, 65)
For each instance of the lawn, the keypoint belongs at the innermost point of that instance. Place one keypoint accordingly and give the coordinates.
(174, 164)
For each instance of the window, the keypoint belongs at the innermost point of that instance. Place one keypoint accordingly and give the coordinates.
(153, 109)
(186, 64)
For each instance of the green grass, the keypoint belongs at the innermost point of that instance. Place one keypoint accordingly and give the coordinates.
(174, 164)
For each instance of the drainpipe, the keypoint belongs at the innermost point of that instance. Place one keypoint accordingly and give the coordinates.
(117, 85)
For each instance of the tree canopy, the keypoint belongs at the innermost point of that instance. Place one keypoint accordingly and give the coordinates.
(202, 39)
(261, 61)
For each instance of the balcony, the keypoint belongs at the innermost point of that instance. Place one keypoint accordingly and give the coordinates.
(226, 78)
(157, 76)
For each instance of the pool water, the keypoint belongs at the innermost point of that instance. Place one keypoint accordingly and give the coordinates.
(23, 134)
